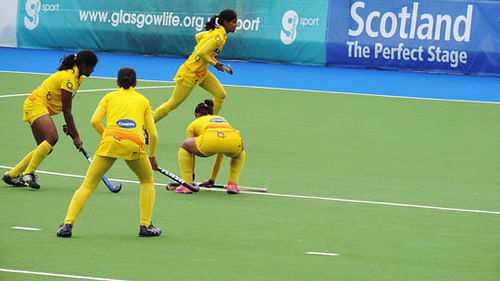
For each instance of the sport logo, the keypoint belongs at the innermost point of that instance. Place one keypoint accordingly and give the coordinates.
(126, 123)
(31, 19)
(33, 8)
(289, 22)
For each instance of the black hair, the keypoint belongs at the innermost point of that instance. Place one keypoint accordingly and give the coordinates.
(225, 15)
(83, 57)
(205, 108)
(126, 77)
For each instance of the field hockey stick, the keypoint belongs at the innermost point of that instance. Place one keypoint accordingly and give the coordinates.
(172, 185)
(228, 69)
(178, 180)
(114, 189)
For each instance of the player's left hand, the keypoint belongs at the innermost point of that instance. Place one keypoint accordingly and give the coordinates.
(66, 129)
(153, 162)
(207, 183)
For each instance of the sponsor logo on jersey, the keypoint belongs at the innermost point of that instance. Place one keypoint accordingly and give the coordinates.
(126, 123)
(69, 85)
(218, 120)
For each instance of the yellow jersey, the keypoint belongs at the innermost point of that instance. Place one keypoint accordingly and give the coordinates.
(126, 113)
(207, 122)
(215, 135)
(209, 45)
(49, 93)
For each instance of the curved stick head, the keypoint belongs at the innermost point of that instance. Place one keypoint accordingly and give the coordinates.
(117, 188)
(228, 69)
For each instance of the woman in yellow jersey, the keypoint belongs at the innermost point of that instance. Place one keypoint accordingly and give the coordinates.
(127, 113)
(53, 96)
(195, 72)
(207, 135)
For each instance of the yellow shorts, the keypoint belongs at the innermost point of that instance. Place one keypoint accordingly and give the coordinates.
(111, 146)
(188, 78)
(226, 141)
(33, 108)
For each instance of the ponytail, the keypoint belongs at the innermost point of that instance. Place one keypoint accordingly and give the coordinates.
(211, 23)
(216, 20)
(83, 57)
(205, 108)
(67, 62)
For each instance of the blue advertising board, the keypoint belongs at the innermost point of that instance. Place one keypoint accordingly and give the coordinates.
(452, 36)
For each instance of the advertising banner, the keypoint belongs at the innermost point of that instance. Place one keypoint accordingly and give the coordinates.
(282, 31)
(452, 36)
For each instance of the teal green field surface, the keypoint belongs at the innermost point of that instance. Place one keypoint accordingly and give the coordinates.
(360, 188)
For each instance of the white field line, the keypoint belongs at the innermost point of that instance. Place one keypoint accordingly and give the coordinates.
(322, 254)
(110, 179)
(26, 228)
(299, 90)
(58, 275)
(362, 94)
(381, 203)
(94, 90)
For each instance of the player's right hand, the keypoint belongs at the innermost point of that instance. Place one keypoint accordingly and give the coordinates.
(78, 143)
(207, 183)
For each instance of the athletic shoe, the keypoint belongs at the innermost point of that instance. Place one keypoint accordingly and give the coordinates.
(29, 180)
(64, 230)
(14, 181)
(149, 231)
(183, 189)
(232, 188)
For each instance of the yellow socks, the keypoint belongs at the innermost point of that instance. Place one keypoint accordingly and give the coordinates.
(161, 111)
(80, 198)
(21, 166)
(236, 166)
(96, 171)
(186, 162)
(37, 157)
(146, 202)
(217, 105)
(179, 94)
